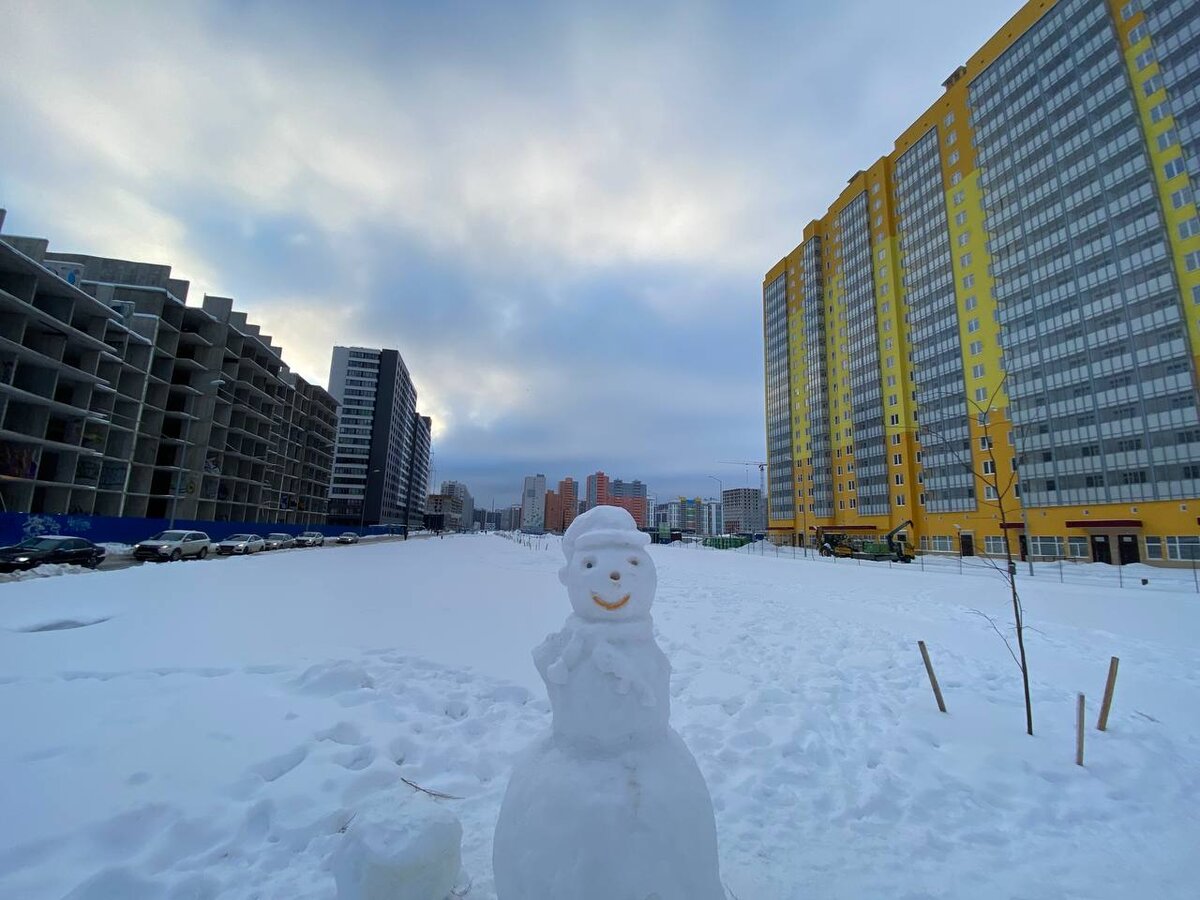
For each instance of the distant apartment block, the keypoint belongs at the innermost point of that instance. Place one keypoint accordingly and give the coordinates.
(508, 519)
(568, 492)
(444, 512)
(712, 518)
(553, 520)
(743, 511)
(630, 496)
(459, 490)
(533, 504)
(1006, 308)
(562, 506)
(619, 488)
(381, 456)
(691, 515)
(116, 399)
(597, 490)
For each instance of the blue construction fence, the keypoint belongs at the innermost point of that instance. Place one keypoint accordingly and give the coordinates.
(15, 527)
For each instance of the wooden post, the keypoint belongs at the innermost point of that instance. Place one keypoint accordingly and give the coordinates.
(937, 691)
(1079, 732)
(1102, 723)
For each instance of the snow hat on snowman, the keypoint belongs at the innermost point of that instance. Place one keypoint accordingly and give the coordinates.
(603, 526)
(603, 578)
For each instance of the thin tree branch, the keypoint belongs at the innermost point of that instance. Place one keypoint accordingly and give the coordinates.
(992, 622)
(423, 790)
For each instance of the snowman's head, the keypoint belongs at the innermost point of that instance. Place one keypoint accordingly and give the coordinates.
(609, 576)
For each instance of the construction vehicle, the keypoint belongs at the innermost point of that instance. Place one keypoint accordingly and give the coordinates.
(834, 543)
(887, 549)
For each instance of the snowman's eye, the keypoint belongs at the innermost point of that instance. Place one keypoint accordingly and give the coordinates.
(588, 564)
(633, 561)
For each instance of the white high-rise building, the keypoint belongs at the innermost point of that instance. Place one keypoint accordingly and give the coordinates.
(533, 505)
(712, 518)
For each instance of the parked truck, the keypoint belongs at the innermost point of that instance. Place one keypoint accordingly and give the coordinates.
(887, 549)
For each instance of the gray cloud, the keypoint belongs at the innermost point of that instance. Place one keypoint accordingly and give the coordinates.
(559, 213)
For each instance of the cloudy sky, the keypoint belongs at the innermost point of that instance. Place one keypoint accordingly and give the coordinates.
(559, 213)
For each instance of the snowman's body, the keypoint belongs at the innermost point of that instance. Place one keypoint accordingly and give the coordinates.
(610, 805)
(609, 684)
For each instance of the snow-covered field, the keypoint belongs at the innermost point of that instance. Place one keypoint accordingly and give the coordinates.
(208, 731)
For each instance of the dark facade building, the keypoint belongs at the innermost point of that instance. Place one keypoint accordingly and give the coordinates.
(381, 459)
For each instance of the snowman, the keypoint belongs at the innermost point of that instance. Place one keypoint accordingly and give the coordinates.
(611, 804)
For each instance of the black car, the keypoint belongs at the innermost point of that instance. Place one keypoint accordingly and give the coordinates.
(50, 548)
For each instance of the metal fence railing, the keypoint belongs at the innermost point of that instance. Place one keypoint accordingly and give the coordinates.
(1182, 575)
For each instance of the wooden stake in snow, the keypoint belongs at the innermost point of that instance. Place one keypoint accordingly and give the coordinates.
(1102, 724)
(1079, 732)
(937, 691)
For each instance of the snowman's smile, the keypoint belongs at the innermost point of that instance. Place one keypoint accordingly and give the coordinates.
(616, 604)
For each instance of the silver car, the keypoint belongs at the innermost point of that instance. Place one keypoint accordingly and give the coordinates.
(173, 545)
(279, 541)
(241, 544)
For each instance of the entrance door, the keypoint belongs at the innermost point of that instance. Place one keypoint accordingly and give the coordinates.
(1024, 548)
(1127, 545)
(1101, 551)
(967, 542)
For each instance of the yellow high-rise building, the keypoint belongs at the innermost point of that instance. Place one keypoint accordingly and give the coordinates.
(995, 329)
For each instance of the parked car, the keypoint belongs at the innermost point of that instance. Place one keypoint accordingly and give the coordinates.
(310, 539)
(347, 537)
(241, 543)
(173, 545)
(279, 541)
(50, 548)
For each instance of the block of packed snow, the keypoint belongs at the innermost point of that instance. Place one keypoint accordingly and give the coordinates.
(610, 805)
(399, 848)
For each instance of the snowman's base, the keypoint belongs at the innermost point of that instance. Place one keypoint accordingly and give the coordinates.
(633, 826)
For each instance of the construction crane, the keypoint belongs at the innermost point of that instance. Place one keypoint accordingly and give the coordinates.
(762, 470)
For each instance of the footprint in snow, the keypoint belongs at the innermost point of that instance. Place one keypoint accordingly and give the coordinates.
(342, 733)
(356, 759)
(277, 766)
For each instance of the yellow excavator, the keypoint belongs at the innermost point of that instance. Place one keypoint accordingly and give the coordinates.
(834, 543)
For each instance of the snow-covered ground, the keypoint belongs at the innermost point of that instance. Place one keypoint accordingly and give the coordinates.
(208, 731)
(46, 571)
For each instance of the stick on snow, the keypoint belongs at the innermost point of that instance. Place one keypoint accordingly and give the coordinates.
(937, 691)
(1102, 724)
(1079, 732)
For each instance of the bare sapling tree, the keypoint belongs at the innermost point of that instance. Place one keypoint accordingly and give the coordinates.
(1002, 490)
